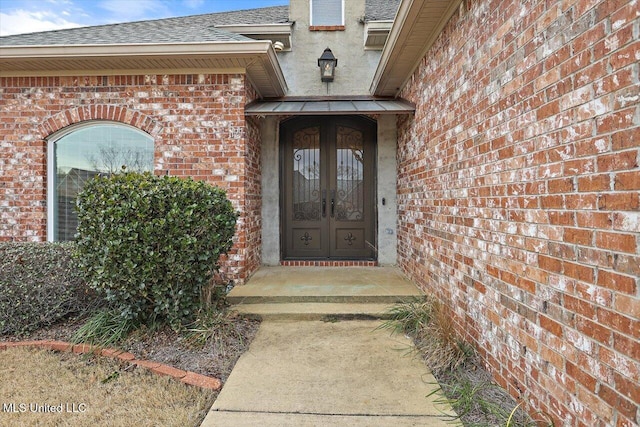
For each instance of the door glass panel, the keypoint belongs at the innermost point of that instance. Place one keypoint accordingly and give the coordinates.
(306, 175)
(349, 174)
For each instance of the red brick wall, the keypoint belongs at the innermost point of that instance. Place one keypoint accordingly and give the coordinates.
(197, 122)
(519, 198)
(253, 196)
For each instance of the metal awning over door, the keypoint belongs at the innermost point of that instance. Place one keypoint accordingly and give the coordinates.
(301, 107)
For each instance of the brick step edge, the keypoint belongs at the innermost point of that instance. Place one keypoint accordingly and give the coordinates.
(187, 377)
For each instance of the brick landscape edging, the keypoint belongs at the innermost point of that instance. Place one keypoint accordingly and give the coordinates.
(187, 377)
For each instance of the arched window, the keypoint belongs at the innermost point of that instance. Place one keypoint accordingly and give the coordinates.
(79, 153)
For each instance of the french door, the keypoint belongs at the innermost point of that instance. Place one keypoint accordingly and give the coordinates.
(327, 187)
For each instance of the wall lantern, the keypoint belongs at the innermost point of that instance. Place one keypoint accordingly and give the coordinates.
(327, 63)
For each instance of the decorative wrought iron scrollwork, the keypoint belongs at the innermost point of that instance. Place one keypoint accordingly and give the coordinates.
(350, 238)
(306, 175)
(350, 174)
(307, 238)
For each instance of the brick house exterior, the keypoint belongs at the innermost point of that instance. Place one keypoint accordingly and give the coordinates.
(515, 183)
(519, 173)
(197, 122)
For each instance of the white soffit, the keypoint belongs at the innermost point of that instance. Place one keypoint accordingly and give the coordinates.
(417, 25)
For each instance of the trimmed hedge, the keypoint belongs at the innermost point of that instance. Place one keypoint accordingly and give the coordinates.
(150, 244)
(39, 284)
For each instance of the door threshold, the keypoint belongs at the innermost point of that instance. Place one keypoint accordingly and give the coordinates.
(329, 263)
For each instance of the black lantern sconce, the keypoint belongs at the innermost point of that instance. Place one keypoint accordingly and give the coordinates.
(327, 63)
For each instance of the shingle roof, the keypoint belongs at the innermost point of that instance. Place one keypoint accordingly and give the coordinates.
(196, 28)
(379, 10)
(186, 29)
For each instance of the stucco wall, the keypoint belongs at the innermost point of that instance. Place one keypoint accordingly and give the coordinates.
(355, 65)
(386, 239)
(271, 190)
(197, 122)
(519, 202)
(386, 190)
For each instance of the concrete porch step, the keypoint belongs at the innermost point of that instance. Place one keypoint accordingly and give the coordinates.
(314, 293)
(320, 299)
(315, 311)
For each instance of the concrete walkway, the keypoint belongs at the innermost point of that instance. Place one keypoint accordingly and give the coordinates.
(314, 373)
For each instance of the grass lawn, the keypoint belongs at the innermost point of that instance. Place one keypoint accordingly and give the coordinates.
(92, 391)
(96, 391)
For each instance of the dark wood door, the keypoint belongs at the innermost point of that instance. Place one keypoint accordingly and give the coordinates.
(328, 191)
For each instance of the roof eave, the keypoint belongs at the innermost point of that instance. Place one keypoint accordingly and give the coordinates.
(259, 57)
(399, 59)
(280, 32)
(131, 49)
(277, 81)
(279, 28)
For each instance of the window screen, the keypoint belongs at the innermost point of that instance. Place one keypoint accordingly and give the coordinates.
(326, 12)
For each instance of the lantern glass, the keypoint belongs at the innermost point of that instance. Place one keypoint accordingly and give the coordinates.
(327, 63)
(327, 69)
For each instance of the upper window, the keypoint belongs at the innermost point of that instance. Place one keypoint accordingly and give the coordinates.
(327, 12)
(80, 154)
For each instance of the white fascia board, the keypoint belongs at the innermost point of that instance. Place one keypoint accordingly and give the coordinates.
(382, 25)
(156, 49)
(393, 40)
(284, 28)
(403, 25)
(275, 71)
(241, 49)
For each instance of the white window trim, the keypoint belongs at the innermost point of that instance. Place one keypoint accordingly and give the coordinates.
(51, 165)
(311, 15)
(51, 189)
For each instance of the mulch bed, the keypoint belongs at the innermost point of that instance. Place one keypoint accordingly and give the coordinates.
(216, 358)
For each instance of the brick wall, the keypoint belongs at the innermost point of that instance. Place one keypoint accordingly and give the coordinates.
(519, 198)
(253, 196)
(197, 122)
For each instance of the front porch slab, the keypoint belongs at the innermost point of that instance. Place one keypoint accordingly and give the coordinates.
(381, 285)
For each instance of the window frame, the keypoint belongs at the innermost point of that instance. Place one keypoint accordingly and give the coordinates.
(314, 25)
(52, 140)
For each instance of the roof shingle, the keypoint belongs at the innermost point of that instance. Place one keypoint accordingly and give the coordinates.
(186, 29)
(381, 10)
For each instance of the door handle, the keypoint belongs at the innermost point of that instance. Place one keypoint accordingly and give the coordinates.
(333, 204)
(324, 203)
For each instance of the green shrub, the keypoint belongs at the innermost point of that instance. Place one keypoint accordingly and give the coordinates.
(150, 244)
(39, 284)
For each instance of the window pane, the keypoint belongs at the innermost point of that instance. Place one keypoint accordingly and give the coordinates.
(326, 12)
(87, 152)
(350, 174)
(306, 175)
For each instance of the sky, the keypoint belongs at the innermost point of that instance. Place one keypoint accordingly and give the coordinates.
(28, 16)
